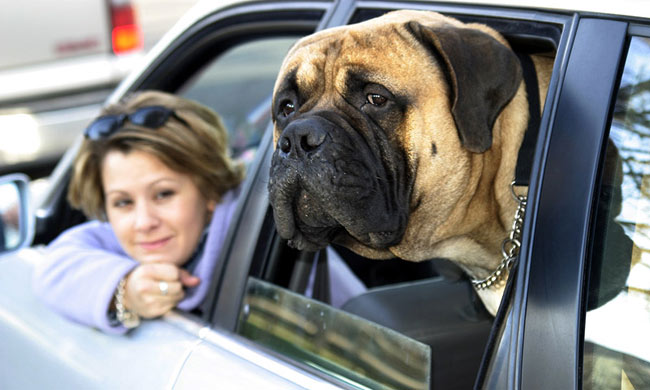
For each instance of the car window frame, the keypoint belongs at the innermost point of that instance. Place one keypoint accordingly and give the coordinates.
(556, 258)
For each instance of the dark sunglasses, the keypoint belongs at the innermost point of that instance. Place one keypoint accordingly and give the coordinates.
(151, 117)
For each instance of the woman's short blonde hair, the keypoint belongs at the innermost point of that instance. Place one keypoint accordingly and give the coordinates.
(198, 148)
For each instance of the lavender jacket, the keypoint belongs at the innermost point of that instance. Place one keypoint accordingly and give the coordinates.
(84, 264)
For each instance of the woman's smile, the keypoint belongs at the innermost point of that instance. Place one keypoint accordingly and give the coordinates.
(152, 245)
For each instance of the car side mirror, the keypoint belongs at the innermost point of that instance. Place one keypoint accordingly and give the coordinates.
(16, 216)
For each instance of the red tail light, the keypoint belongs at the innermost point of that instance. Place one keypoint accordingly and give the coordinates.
(126, 34)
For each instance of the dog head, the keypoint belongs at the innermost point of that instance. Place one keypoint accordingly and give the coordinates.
(391, 134)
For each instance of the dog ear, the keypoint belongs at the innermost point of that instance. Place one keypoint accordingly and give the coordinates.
(483, 75)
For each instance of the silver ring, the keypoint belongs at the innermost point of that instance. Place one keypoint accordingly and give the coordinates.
(164, 287)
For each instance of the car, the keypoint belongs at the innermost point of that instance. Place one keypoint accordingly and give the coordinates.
(575, 312)
(56, 72)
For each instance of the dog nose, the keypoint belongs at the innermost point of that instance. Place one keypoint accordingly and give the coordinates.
(301, 138)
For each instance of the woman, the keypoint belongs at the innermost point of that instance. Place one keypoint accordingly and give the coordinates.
(155, 174)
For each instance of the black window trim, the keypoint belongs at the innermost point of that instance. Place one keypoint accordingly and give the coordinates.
(556, 257)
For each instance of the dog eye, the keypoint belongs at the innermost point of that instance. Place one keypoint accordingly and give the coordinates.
(287, 108)
(376, 99)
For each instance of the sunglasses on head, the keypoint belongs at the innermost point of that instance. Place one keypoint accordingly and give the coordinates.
(151, 117)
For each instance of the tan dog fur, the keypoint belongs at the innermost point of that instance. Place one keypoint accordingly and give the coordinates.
(461, 207)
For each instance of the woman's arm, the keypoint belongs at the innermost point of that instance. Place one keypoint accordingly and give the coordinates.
(80, 273)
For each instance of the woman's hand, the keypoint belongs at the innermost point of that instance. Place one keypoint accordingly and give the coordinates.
(143, 294)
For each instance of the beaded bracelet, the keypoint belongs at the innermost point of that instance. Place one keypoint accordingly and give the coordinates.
(128, 318)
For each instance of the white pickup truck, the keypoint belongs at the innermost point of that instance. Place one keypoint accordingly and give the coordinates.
(58, 62)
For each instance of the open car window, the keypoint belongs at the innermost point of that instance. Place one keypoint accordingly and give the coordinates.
(616, 344)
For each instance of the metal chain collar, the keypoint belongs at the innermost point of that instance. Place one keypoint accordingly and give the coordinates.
(509, 247)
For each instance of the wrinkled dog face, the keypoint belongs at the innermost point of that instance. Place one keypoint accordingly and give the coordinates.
(370, 133)
(339, 168)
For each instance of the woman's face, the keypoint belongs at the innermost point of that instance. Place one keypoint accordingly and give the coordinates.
(157, 214)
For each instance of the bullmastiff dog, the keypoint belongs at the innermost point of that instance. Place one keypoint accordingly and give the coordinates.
(398, 137)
